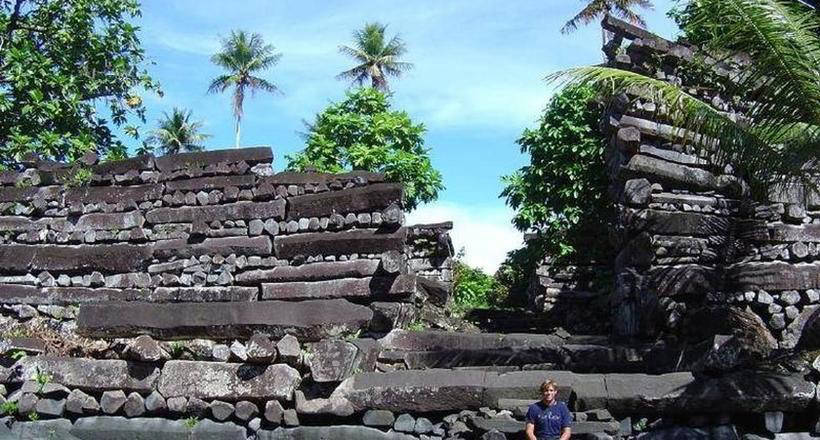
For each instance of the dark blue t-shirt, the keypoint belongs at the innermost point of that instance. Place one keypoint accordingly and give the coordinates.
(549, 420)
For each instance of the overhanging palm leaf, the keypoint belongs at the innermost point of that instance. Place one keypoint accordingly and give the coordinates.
(596, 9)
(377, 59)
(243, 54)
(778, 136)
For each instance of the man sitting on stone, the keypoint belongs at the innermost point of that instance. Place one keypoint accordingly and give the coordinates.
(548, 419)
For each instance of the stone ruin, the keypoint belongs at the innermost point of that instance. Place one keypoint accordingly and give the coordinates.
(202, 296)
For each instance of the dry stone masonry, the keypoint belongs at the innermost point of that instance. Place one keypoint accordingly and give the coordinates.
(202, 296)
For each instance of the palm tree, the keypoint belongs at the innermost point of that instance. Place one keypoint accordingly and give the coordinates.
(597, 9)
(777, 141)
(176, 133)
(377, 57)
(242, 55)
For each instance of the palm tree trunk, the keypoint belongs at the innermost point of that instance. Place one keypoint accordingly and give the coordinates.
(237, 132)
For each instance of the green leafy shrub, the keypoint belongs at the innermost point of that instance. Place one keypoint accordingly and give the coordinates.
(78, 176)
(473, 288)
(191, 422)
(363, 133)
(8, 407)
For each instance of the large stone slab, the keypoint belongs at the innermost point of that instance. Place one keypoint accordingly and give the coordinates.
(441, 349)
(228, 381)
(251, 156)
(12, 223)
(110, 258)
(20, 294)
(672, 173)
(144, 428)
(773, 276)
(90, 375)
(303, 178)
(362, 241)
(374, 287)
(311, 272)
(746, 391)
(209, 183)
(368, 198)
(112, 221)
(240, 245)
(331, 432)
(143, 162)
(231, 211)
(679, 223)
(202, 294)
(682, 280)
(113, 194)
(27, 194)
(415, 390)
(789, 233)
(307, 320)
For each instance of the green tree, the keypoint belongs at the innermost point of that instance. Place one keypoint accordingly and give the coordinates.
(377, 57)
(473, 288)
(176, 133)
(61, 64)
(363, 133)
(778, 139)
(597, 9)
(243, 54)
(562, 193)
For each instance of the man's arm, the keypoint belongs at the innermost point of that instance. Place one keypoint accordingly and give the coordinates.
(529, 430)
(565, 433)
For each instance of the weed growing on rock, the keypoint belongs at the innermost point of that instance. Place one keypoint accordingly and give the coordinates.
(9, 407)
(191, 422)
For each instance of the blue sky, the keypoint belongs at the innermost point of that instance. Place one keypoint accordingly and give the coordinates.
(477, 83)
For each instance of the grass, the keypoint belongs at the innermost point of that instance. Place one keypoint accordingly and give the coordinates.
(191, 422)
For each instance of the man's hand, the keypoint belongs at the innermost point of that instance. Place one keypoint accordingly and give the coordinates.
(565, 433)
(529, 430)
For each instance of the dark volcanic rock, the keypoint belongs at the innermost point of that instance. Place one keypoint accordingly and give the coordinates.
(342, 243)
(113, 194)
(331, 360)
(230, 382)
(330, 432)
(308, 320)
(89, 375)
(364, 199)
(773, 276)
(120, 428)
(339, 288)
(251, 156)
(202, 294)
(311, 272)
(209, 183)
(231, 211)
(110, 258)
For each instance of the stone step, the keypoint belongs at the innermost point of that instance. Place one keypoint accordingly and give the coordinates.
(227, 381)
(453, 390)
(331, 432)
(121, 428)
(90, 375)
(310, 320)
(22, 294)
(310, 272)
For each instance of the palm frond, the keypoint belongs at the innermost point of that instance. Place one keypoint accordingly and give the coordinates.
(591, 11)
(220, 83)
(257, 83)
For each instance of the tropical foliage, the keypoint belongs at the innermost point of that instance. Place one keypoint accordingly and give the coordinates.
(597, 9)
(473, 288)
(243, 55)
(363, 133)
(778, 139)
(61, 64)
(177, 133)
(561, 193)
(378, 58)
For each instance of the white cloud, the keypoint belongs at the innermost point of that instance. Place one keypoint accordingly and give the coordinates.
(485, 233)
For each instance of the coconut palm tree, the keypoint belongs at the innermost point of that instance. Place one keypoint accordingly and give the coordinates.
(243, 54)
(176, 133)
(377, 57)
(777, 141)
(597, 9)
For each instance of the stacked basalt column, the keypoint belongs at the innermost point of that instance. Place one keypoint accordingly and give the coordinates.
(691, 241)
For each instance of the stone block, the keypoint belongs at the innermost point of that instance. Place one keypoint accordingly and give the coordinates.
(231, 211)
(90, 375)
(773, 276)
(113, 221)
(637, 192)
(110, 258)
(367, 198)
(211, 183)
(121, 428)
(81, 403)
(134, 405)
(331, 361)
(202, 294)
(113, 194)
(340, 288)
(331, 432)
(672, 173)
(308, 320)
(378, 417)
(362, 241)
(112, 401)
(320, 271)
(229, 382)
(182, 161)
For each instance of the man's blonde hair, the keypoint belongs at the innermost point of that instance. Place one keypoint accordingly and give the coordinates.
(549, 383)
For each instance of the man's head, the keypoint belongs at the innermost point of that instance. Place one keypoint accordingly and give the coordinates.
(549, 390)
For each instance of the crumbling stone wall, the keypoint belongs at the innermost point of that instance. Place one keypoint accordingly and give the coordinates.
(690, 238)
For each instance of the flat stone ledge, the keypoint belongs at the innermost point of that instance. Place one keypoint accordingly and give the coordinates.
(230, 211)
(90, 375)
(110, 258)
(228, 381)
(307, 320)
(341, 243)
(368, 198)
(331, 432)
(311, 272)
(121, 428)
(251, 156)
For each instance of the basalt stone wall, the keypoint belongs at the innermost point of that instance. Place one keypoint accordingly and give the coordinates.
(692, 245)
